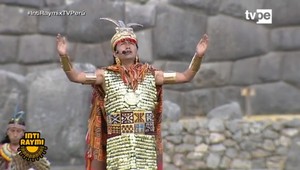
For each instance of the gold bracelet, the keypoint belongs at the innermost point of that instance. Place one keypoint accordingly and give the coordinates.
(169, 77)
(195, 63)
(90, 78)
(65, 63)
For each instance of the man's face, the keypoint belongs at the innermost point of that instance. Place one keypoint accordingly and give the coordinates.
(126, 49)
(15, 134)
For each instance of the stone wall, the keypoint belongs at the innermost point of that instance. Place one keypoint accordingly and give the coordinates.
(203, 144)
(241, 53)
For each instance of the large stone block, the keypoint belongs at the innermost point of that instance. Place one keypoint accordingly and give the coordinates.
(232, 39)
(177, 42)
(8, 48)
(52, 24)
(145, 50)
(291, 68)
(59, 110)
(286, 38)
(37, 48)
(198, 102)
(226, 112)
(213, 74)
(171, 111)
(269, 68)
(274, 98)
(238, 8)
(99, 54)
(228, 94)
(140, 13)
(176, 66)
(245, 71)
(173, 96)
(31, 3)
(159, 64)
(210, 6)
(89, 28)
(90, 53)
(108, 54)
(284, 12)
(53, 3)
(42, 67)
(69, 2)
(12, 93)
(15, 68)
(15, 20)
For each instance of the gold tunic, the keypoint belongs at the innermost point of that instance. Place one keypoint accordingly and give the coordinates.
(130, 120)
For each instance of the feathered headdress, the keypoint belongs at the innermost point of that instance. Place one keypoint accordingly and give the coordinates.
(18, 119)
(123, 31)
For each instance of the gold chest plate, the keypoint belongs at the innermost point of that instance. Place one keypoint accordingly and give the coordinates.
(119, 96)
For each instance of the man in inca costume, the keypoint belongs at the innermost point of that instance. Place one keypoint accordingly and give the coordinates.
(124, 130)
(9, 157)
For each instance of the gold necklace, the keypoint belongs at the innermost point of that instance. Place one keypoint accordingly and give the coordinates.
(6, 152)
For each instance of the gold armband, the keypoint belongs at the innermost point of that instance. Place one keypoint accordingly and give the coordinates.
(195, 63)
(90, 78)
(169, 77)
(65, 63)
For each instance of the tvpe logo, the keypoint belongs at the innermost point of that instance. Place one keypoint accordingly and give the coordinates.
(263, 16)
(32, 146)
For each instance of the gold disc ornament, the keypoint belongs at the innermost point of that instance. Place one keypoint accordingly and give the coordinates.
(131, 98)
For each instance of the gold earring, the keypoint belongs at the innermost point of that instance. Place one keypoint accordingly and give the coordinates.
(136, 59)
(118, 61)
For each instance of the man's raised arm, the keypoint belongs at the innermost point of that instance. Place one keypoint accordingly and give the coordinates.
(190, 72)
(72, 74)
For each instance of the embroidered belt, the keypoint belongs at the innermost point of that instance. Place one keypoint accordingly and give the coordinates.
(128, 122)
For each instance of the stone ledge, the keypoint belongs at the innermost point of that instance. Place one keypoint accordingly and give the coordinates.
(272, 117)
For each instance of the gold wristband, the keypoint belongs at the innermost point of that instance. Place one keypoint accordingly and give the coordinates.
(195, 63)
(90, 78)
(169, 77)
(65, 63)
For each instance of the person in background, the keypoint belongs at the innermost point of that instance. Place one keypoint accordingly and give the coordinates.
(9, 157)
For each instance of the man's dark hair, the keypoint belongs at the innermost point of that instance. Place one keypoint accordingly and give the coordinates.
(18, 121)
(5, 140)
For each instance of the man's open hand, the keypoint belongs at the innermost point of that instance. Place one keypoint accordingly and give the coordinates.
(202, 46)
(61, 44)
